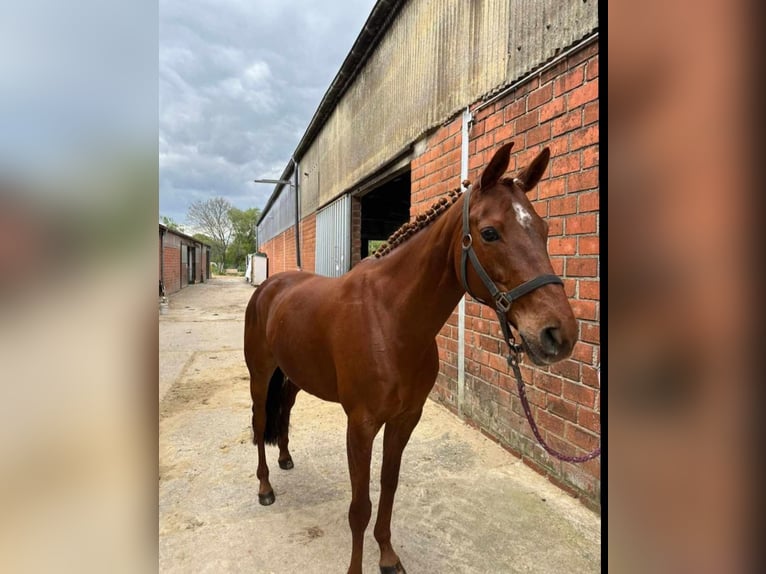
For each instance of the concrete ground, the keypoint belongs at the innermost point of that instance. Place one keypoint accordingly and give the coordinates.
(464, 504)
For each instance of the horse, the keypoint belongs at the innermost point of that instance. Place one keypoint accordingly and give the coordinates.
(367, 339)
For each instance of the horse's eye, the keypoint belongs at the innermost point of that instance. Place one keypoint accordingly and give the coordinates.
(489, 234)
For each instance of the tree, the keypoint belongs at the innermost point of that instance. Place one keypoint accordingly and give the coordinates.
(170, 223)
(244, 242)
(211, 217)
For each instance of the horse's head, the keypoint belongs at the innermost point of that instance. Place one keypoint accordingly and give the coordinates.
(510, 242)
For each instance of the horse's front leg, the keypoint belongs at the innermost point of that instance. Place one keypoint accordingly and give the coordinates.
(360, 435)
(397, 433)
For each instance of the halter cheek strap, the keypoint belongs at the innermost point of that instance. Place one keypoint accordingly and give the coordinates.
(503, 301)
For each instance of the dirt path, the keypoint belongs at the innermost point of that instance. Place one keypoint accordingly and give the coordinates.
(464, 505)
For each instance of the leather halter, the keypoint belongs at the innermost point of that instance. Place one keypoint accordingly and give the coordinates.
(502, 299)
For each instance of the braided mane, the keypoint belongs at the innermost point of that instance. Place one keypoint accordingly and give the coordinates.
(419, 222)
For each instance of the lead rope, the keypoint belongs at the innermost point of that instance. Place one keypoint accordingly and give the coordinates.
(514, 351)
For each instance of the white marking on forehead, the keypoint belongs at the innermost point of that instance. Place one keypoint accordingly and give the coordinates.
(522, 215)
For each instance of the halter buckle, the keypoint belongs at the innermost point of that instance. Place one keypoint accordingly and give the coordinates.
(467, 241)
(502, 302)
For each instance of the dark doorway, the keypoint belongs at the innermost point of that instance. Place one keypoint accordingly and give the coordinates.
(192, 265)
(384, 210)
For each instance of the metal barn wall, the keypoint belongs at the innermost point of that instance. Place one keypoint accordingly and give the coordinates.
(280, 216)
(437, 57)
(333, 238)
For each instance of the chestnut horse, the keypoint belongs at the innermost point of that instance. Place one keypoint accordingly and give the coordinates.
(367, 339)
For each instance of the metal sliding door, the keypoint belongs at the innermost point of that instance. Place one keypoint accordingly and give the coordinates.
(333, 240)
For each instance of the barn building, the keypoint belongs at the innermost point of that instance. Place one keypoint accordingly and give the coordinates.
(427, 93)
(183, 260)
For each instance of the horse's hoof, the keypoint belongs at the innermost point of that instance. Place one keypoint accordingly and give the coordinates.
(286, 464)
(266, 499)
(396, 569)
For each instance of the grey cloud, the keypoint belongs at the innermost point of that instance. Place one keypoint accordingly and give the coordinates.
(239, 82)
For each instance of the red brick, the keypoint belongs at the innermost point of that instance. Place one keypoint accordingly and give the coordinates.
(590, 113)
(555, 226)
(583, 352)
(585, 93)
(588, 201)
(567, 123)
(584, 309)
(485, 141)
(590, 376)
(589, 419)
(527, 87)
(552, 109)
(552, 73)
(567, 368)
(539, 134)
(563, 408)
(592, 69)
(549, 422)
(590, 157)
(588, 245)
(539, 96)
(579, 393)
(590, 333)
(563, 165)
(563, 206)
(589, 290)
(493, 121)
(581, 438)
(505, 133)
(562, 245)
(588, 52)
(583, 180)
(515, 109)
(489, 344)
(581, 224)
(551, 187)
(570, 286)
(559, 146)
(546, 382)
(584, 137)
(527, 121)
(570, 80)
(582, 267)
(558, 265)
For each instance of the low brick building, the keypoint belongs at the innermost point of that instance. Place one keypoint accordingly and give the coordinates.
(183, 260)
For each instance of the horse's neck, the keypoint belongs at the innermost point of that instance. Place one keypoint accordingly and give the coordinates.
(427, 288)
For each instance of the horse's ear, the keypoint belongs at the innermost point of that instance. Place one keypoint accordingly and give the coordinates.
(530, 177)
(496, 168)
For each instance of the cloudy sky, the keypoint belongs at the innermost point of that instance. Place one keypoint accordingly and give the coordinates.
(239, 83)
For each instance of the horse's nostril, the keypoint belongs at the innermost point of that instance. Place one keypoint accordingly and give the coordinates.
(551, 339)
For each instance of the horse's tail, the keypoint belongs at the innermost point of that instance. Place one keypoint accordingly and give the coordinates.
(278, 403)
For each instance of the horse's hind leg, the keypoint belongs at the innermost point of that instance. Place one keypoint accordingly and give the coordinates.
(259, 387)
(289, 392)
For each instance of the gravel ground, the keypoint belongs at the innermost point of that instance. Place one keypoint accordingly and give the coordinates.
(464, 504)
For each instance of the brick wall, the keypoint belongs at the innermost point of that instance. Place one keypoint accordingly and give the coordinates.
(356, 230)
(558, 109)
(281, 249)
(308, 242)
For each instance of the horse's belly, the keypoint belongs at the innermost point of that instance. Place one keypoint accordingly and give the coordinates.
(312, 376)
